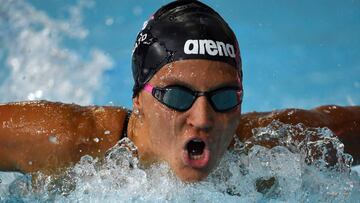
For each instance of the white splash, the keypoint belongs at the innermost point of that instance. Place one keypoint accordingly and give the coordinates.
(288, 172)
(38, 65)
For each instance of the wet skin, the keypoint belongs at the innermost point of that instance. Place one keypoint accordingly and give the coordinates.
(28, 128)
(161, 133)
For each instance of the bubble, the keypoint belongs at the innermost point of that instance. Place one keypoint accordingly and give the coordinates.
(109, 21)
(96, 139)
(107, 132)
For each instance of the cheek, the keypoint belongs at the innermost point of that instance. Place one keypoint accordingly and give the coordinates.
(161, 122)
(228, 124)
(231, 119)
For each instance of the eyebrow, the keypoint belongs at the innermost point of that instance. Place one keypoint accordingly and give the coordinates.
(174, 81)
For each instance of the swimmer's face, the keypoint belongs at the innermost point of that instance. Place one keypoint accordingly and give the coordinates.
(191, 142)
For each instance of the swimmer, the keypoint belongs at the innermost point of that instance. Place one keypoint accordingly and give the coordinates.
(186, 105)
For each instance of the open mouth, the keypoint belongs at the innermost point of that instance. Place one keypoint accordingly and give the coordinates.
(195, 149)
(196, 153)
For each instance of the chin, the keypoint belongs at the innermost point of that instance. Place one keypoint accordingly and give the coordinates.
(191, 175)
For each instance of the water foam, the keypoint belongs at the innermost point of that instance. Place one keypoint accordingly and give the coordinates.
(36, 63)
(287, 172)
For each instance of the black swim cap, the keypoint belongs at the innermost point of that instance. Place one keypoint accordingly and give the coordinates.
(183, 29)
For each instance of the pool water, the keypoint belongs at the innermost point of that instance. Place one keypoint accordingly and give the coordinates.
(295, 53)
(297, 170)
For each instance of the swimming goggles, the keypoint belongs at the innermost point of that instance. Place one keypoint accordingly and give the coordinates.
(181, 98)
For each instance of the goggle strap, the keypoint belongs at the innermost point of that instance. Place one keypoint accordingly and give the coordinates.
(239, 95)
(149, 88)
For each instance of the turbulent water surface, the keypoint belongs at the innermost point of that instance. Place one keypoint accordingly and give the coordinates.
(307, 165)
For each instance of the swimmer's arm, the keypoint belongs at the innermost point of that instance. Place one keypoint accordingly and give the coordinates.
(343, 121)
(46, 136)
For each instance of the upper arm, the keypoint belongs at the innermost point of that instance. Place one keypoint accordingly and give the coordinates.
(343, 121)
(310, 118)
(47, 135)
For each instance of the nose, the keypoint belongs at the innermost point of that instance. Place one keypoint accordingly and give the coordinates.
(201, 115)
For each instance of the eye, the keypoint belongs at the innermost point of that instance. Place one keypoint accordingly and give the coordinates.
(158, 94)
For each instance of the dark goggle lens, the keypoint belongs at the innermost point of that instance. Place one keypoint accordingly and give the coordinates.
(224, 100)
(181, 99)
(177, 98)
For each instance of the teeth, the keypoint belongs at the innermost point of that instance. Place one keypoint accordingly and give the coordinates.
(196, 157)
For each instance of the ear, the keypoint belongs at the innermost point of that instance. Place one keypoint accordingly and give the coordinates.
(137, 107)
(137, 104)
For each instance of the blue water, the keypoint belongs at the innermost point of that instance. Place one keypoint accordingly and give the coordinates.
(295, 54)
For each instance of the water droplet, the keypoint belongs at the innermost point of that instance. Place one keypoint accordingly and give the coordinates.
(107, 132)
(290, 113)
(96, 139)
(53, 139)
(6, 124)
